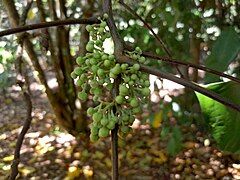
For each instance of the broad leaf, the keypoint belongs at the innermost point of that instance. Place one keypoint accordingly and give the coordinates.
(224, 122)
(224, 51)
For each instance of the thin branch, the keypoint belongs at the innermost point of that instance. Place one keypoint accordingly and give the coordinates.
(201, 67)
(26, 126)
(184, 82)
(28, 120)
(48, 24)
(118, 50)
(152, 31)
(118, 43)
(148, 26)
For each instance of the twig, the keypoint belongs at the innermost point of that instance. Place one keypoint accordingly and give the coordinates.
(118, 50)
(48, 24)
(148, 26)
(184, 82)
(152, 31)
(201, 67)
(26, 125)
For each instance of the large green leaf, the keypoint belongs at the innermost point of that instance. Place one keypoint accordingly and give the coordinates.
(224, 121)
(224, 51)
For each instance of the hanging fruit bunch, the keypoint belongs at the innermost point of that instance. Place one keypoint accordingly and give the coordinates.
(99, 70)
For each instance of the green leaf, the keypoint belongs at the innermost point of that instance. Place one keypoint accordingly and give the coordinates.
(224, 122)
(224, 51)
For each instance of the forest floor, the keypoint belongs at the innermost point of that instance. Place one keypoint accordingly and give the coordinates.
(50, 153)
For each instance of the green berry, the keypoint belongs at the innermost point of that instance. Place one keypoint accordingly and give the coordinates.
(105, 16)
(145, 91)
(107, 63)
(134, 102)
(109, 86)
(97, 116)
(89, 28)
(101, 30)
(138, 50)
(73, 75)
(80, 60)
(111, 125)
(104, 56)
(142, 59)
(94, 129)
(80, 82)
(136, 67)
(103, 24)
(78, 71)
(134, 77)
(116, 70)
(90, 46)
(147, 83)
(94, 69)
(99, 43)
(131, 83)
(90, 111)
(93, 138)
(119, 99)
(104, 121)
(100, 73)
(111, 57)
(123, 90)
(103, 132)
(82, 96)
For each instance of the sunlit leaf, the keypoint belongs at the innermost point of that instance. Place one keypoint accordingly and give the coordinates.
(8, 158)
(224, 122)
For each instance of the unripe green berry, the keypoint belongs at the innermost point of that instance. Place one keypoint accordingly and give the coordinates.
(123, 90)
(80, 82)
(78, 71)
(90, 111)
(138, 50)
(73, 75)
(142, 59)
(107, 63)
(119, 99)
(99, 43)
(94, 130)
(103, 132)
(89, 28)
(104, 56)
(134, 102)
(111, 125)
(131, 83)
(93, 138)
(147, 83)
(80, 60)
(100, 73)
(101, 30)
(97, 116)
(105, 16)
(103, 24)
(82, 96)
(134, 77)
(136, 67)
(104, 121)
(94, 69)
(145, 91)
(90, 47)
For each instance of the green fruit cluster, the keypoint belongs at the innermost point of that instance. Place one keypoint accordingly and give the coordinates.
(99, 70)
